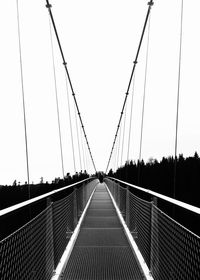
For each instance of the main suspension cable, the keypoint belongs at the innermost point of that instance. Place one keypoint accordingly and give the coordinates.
(150, 4)
(48, 5)
(119, 145)
(23, 99)
(178, 99)
(57, 105)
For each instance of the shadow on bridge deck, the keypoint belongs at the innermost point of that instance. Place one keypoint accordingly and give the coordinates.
(102, 250)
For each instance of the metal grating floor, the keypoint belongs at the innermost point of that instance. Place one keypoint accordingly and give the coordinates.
(102, 251)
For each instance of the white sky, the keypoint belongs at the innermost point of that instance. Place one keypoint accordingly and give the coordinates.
(99, 40)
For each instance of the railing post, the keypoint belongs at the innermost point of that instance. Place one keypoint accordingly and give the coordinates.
(128, 207)
(118, 195)
(49, 236)
(84, 195)
(75, 208)
(82, 200)
(154, 238)
(113, 190)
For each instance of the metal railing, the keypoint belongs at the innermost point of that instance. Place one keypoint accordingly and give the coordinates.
(34, 250)
(161, 196)
(170, 250)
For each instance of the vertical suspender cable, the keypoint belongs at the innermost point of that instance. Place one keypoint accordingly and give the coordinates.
(143, 104)
(116, 154)
(123, 136)
(83, 152)
(78, 142)
(118, 148)
(178, 97)
(130, 122)
(57, 106)
(70, 123)
(115, 160)
(86, 157)
(23, 98)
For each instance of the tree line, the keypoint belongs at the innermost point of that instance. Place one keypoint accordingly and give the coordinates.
(160, 176)
(17, 192)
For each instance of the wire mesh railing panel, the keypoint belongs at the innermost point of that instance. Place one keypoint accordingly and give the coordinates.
(88, 189)
(28, 252)
(66, 213)
(80, 202)
(63, 224)
(175, 250)
(34, 250)
(114, 189)
(122, 201)
(170, 250)
(140, 224)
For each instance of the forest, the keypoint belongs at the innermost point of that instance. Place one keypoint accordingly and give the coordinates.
(159, 176)
(16, 193)
(155, 175)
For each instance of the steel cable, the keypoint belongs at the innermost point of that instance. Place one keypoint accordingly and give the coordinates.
(70, 124)
(78, 141)
(56, 94)
(143, 103)
(178, 99)
(119, 145)
(130, 121)
(23, 97)
(83, 152)
(150, 3)
(123, 137)
(48, 5)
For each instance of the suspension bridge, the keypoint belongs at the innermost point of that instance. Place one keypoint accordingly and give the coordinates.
(100, 227)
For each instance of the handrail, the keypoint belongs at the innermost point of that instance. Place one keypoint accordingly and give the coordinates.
(163, 197)
(32, 200)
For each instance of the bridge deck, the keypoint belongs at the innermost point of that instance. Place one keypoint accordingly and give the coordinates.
(102, 250)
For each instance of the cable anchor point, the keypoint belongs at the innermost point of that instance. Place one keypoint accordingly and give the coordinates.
(150, 3)
(48, 5)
